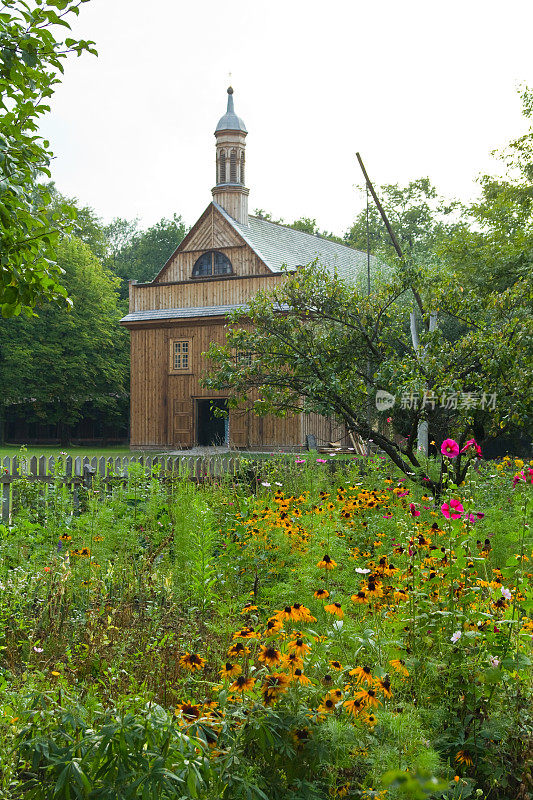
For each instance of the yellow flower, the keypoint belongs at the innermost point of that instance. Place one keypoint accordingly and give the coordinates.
(336, 609)
(192, 662)
(327, 563)
(269, 655)
(230, 670)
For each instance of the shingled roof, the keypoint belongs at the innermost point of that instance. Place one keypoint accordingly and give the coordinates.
(278, 246)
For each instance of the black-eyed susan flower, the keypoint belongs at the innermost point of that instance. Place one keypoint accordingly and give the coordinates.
(292, 661)
(321, 594)
(383, 685)
(242, 684)
(327, 707)
(230, 670)
(335, 664)
(370, 719)
(298, 676)
(399, 665)
(299, 647)
(327, 563)
(269, 655)
(362, 675)
(276, 683)
(246, 633)
(464, 757)
(360, 598)
(188, 711)
(192, 662)
(248, 607)
(238, 649)
(327, 680)
(273, 626)
(336, 609)
(301, 736)
(368, 697)
(301, 613)
(287, 613)
(353, 706)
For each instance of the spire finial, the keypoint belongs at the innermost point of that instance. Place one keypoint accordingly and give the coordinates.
(230, 108)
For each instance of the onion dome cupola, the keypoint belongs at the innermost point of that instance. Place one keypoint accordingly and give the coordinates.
(230, 191)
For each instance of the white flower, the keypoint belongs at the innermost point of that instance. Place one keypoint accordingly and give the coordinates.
(456, 636)
(265, 483)
(277, 483)
(362, 571)
(494, 662)
(506, 593)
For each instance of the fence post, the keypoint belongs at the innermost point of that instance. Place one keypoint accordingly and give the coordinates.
(6, 492)
(88, 475)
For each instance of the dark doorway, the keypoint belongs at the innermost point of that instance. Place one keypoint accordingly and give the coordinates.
(211, 428)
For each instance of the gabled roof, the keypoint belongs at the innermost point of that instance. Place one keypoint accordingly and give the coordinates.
(277, 245)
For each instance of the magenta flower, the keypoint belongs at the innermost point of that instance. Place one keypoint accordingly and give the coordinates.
(449, 448)
(472, 446)
(414, 511)
(321, 461)
(518, 477)
(452, 510)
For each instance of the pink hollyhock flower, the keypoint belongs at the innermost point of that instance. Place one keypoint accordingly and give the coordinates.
(414, 511)
(473, 446)
(449, 448)
(452, 510)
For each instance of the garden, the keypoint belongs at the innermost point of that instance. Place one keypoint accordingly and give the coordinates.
(308, 628)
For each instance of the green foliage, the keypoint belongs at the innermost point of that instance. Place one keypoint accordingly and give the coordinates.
(333, 348)
(54, 363)
(140, 255)
(31, 61)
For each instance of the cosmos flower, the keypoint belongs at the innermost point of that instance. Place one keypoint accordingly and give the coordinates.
(449, 448)
(455, 637)
(413, 510)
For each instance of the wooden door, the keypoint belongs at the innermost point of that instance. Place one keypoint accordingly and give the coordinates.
(239, 427)
(182, 423)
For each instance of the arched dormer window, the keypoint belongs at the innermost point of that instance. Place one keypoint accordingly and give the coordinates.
(242, 168)
(222, 167)
(233, 166)
(212, 263)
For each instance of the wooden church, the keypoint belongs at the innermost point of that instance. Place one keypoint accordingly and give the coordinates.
(227, 256)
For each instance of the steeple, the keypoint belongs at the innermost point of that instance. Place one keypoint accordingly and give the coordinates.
(230, 191)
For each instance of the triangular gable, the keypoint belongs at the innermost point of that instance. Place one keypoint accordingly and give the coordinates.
(212, 231)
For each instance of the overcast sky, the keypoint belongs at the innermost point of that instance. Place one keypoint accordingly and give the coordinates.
(419, 88)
